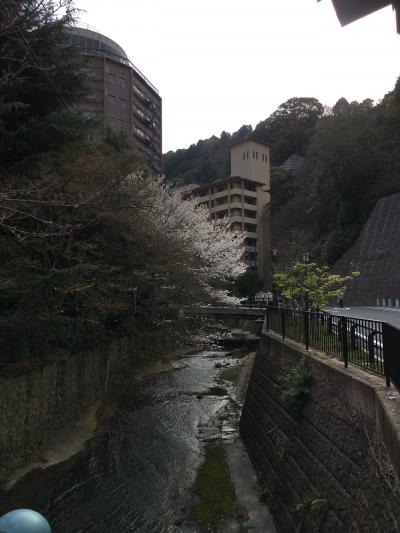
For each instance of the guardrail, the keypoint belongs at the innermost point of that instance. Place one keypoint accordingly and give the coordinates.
(369, 344)
(102, 52)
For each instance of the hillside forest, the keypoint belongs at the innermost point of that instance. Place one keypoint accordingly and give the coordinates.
(329, 166)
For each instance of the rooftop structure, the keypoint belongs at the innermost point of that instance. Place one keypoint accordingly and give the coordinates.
(119, 94)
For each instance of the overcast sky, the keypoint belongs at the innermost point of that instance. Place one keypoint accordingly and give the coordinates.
(219, 64)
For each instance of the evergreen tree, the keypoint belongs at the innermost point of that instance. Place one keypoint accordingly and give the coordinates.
(41, 79)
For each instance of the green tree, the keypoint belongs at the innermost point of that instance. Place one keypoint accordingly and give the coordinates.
(247, 284)
(290, 127)
(354, 160)
(345, 164)
(311, 285)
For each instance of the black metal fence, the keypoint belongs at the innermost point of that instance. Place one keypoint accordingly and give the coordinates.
(372, 345)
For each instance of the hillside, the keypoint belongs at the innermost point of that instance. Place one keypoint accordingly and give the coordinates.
(351, 160)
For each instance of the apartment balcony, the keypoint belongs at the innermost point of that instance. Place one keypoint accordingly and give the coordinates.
(219, 194)
(250, 234)
(248, 220)
(235, 190)
(236, 205)
(250, 248)
(248, 207)
(236, 218)
(141, 95)
(146, 119)
(139, 133)
(218, 208)
(247, 192)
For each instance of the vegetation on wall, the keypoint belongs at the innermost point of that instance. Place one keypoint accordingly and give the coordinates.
(296, 388)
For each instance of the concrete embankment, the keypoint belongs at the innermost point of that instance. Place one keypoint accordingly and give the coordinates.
(39, 404)
(335, 466)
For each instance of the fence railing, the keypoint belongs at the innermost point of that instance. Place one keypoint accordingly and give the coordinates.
(370, 344)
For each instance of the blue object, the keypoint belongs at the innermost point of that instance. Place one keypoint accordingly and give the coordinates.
(24, 521)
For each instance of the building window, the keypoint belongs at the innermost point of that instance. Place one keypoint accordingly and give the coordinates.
(91, 93)
(111, 99)
(122, 82)
(263, 157)
(250, 187)
(122, 103)
(250, 200)
(266, 158)
(247, 154)
(256, 155)
(123, 123)
(244, 155)
(112, 78)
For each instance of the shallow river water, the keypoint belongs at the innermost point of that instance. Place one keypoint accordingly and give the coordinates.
(137, 474)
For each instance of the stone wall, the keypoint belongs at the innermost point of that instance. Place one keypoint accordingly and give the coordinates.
(335, 468)
(35, 405)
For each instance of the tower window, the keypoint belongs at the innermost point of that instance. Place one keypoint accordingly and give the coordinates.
(247, 154)
(253, 154)
(244, 155)
(256, 155)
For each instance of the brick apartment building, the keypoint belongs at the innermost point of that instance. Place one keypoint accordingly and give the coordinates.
(119, 94)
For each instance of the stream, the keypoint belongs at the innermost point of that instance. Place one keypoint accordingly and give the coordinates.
(137, 473)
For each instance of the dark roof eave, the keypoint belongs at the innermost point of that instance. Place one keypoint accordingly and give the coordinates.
(225, 180)
(348, 11)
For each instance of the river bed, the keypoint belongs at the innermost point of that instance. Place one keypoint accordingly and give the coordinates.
(137, 473)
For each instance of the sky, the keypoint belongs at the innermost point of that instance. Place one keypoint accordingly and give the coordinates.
(219, 64)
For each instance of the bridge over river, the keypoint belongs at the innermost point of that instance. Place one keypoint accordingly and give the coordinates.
(241, 311)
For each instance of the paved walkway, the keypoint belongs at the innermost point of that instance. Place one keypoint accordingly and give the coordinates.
(247, 495)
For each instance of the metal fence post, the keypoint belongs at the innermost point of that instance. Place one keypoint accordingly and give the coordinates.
(385, 352)
(283, 322)
(371, 348)
(267, 317)
(353, 336)
(330, 324)
(306, 324)
(345, 345)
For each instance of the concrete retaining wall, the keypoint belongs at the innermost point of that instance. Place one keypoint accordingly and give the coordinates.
(35, 405)
(336, 467)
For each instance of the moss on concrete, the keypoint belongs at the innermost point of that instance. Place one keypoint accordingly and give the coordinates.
(214, 488)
